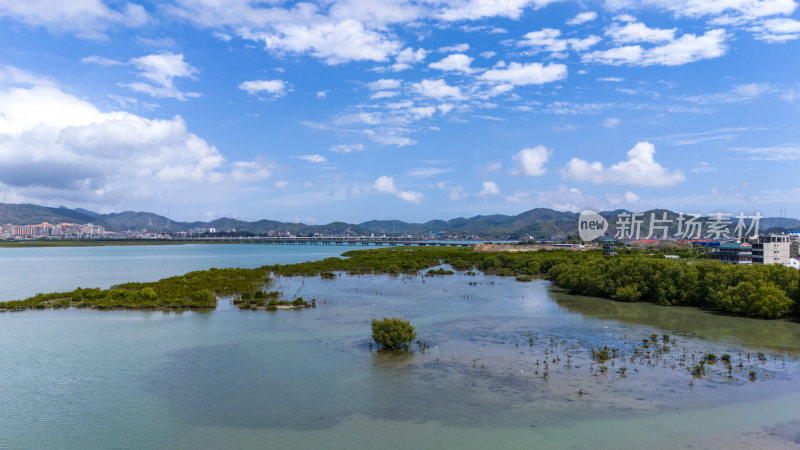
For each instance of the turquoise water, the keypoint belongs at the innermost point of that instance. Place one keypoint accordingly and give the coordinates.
(308, 378)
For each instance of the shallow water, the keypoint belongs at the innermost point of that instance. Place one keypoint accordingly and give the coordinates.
(308, 378)
(28, 271)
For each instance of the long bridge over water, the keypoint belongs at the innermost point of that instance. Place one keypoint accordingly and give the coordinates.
(331, 240)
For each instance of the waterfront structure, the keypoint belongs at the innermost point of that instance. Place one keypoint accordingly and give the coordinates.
(734, 253)
(772, 249)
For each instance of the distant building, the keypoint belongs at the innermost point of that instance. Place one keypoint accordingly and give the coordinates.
(794, 263)
(609, 247)
(772, 249)
(734, 253)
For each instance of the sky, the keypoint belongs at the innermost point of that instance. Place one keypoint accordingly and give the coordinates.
(351, 110)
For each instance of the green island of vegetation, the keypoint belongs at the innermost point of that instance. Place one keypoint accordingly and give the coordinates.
(761, 291)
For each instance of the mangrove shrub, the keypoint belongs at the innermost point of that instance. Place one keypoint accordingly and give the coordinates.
(392, 333)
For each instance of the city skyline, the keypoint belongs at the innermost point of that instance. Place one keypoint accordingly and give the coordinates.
(354, 110)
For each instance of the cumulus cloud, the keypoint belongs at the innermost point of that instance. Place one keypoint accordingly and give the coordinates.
(489, 189)
(438, 89)
(407, 58)
(685, 49)
(729, 11)
(549, 40)
(531, 161)
(87, 18)
(777, 30)
(385, 185)
(276, 88)
(583, 17)
(333, 42)
(640, 169)
(630, 197)
(56, 146)
(384, 84)
(256, 170)
(479, 9)
(455, 48)
(160, 70)
(525, 74)
(634, 32)
(457, 193)
(456, 62)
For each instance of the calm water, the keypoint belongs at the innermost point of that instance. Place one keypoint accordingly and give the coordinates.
(28, 271)
(308, 379)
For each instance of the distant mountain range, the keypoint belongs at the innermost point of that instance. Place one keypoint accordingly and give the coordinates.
(539, 222)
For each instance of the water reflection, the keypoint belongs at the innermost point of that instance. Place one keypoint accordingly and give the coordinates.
(772, 334)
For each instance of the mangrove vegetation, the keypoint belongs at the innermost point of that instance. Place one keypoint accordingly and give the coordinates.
(693, 280)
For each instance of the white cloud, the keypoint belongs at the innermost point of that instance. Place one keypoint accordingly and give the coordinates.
(525, 74)
(256, 170)
(428, 171)
(531, 161)
(728, 10)
(456, 62)
(737, 94)
(785, 152)
(457, 193)
(317, 159)
(335, 42)
(777, 30)
(277, 88)
(493, 166)
(635, 32)
(322, 94)
(583, 17)
(384, 94)
(347, 148)
(489, 189)
(455, 10)
(281, 184)
(549, 40)
(384, 84)
(408, 57)
(160, 70)
(612, 79)
(611, 122)
(639, 169)
(488, 54)
(438, 89)
(101, 61)
(630, 197)
(385, 185)
(685, 49)
(85, 18)
(54, 146)
(456, 48)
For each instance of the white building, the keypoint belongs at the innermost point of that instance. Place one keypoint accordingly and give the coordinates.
(794, 263)
(772, 249)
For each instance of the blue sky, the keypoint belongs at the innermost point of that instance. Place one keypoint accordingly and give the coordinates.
(361, 109)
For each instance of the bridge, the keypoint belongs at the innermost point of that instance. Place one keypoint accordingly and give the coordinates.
(329, 240)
